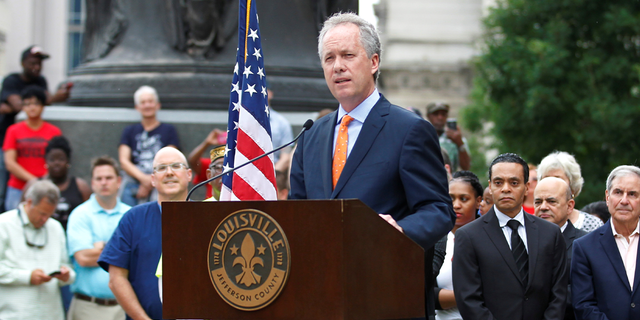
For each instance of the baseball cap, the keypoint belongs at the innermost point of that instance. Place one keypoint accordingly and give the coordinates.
(34, 50)
(437, 106)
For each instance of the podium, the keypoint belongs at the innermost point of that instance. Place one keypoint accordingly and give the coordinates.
(345, 262)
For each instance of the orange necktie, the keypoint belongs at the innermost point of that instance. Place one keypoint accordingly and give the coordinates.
(342, 143)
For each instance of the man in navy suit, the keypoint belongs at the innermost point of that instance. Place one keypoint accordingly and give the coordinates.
(392, 156)
(604, 272)
(509, 264)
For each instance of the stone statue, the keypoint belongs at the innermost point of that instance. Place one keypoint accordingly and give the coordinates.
(186, 49)
(104, 27)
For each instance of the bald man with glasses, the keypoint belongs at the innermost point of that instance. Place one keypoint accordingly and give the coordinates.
(131, 256)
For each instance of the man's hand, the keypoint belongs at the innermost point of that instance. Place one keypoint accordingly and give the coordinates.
(454, 135)
(391, 221)
(5, 108)
(62, 94)
(63, 275)
(213, 138)
(38, 277)
(99, 244)
(143, 191)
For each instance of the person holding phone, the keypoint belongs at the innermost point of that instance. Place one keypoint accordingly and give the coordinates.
(205, 168)
(33, 258)
(450, 135)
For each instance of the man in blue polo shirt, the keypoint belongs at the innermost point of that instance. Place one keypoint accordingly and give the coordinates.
(90, 226)
(131, 256)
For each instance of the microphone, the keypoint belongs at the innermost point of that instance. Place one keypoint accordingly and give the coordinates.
(306, 126)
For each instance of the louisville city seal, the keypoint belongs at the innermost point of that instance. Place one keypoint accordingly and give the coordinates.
(248, 259)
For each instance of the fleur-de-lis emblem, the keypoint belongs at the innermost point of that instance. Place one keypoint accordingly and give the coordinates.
(248, 260)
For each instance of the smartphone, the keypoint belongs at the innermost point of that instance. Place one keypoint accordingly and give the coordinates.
(452, 124)
(55, 273)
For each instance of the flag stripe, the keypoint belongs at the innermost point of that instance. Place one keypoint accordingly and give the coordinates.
(249, 132)
(256, 133)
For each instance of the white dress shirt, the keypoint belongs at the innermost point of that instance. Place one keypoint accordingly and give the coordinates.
(628, 251)
(359, 114)
(522, 231)
(19, 299)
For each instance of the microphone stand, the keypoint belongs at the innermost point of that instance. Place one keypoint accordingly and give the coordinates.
(305, 127)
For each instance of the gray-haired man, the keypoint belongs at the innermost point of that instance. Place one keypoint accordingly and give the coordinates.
(33, 257)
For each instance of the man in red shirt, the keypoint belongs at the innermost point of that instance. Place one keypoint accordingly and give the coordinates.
(25, 143)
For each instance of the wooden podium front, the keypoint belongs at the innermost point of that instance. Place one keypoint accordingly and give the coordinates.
(345, 262)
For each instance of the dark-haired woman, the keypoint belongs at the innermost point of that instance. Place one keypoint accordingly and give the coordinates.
(466, 194)
(73, 190)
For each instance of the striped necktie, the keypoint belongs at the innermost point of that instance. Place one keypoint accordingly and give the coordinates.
(519, 251)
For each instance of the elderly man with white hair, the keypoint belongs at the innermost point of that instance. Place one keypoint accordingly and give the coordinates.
(604, 270)
(562, 165)
(139, 143)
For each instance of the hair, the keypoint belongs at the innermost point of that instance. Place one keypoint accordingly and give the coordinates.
(470, 178)
(532, 167)
(568, 164)
(142, 90)
(511, 158)
(43, 189)
(59, 142)
(105, 161)
(598, 208)
(34, 91)
(621, 171)
(369, 37)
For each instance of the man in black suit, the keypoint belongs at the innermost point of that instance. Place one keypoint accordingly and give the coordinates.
(508, 264)
(552, 201)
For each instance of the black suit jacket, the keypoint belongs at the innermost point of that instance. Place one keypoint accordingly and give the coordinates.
(570, 234)
(486, 281)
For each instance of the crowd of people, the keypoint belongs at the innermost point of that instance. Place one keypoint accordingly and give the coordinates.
(517, 249)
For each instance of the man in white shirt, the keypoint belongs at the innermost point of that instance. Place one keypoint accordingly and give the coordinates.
(33, 258)
(604, 272)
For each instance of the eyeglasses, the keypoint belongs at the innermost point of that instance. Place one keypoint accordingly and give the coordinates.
(29, 243)
(216, 167)
(176, 166)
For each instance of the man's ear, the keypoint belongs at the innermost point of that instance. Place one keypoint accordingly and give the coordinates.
(571, 203)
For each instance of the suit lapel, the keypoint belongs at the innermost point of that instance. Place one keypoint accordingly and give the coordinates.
(611, 250)
(372, 126)
(493, 230)
(532, 244)
(326, 164)
(636, 278)
(569, 235)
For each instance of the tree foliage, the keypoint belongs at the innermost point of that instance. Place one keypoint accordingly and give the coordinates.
(562, 75)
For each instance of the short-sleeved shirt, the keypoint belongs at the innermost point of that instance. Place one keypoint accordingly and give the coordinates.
(90, 223)
(136, 245)
(13, 84)
(30, 146)
(145, 144)
(452, 150)
(202, 176)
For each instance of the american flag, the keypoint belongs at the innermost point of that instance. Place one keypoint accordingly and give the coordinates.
(249, 132)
